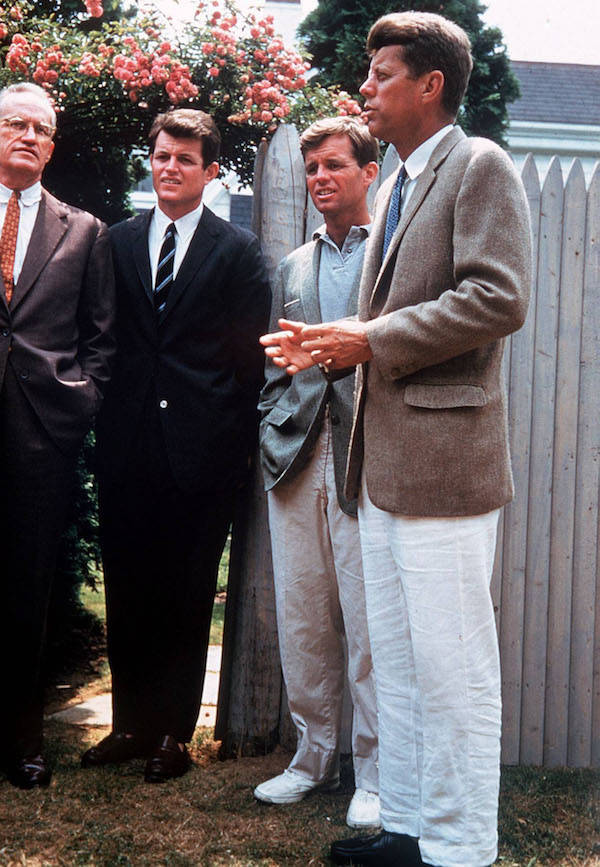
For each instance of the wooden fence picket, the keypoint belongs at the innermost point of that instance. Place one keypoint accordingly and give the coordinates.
(560, 575)
(512, 593)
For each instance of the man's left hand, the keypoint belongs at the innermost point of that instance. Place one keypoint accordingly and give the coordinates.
(338, 344)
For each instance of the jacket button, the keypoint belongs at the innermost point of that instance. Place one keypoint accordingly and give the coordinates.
(5, 332)
(163, 404)
(335, 419)
(24, 374)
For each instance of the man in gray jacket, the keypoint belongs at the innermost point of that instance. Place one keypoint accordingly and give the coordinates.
(304, 434)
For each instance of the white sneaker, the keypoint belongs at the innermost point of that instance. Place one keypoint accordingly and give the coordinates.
(289, 788)
(363, 811)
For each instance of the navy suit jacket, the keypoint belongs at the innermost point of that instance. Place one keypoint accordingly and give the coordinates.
(200, 359)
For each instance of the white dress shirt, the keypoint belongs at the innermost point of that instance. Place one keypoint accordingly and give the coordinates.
(185, 227)
(29, 203)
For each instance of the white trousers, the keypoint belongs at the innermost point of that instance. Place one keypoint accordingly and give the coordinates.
(319, 594)
(437, 673)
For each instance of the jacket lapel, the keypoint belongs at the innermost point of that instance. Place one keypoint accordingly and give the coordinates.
(309, 290)
(50, 226)
(141, 256)
(202, 243)
(424, 183)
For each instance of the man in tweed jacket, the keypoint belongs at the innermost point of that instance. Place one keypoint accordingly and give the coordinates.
(441, 288)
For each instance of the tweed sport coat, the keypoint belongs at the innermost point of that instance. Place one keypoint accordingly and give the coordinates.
(430, 425)
(57, 332)
(293, 407)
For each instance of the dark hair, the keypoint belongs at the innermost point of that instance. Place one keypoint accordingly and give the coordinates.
(428, 42)
(364, 147)
(189, 123)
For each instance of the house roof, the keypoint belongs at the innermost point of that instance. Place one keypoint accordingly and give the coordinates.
(557, 93)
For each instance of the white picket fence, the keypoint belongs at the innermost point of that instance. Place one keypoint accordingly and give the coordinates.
(546, 584)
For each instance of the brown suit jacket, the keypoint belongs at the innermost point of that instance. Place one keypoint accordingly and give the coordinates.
(430, 422)
(56, 334)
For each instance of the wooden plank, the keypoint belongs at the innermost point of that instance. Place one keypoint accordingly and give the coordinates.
(283, 190)
(540, 481)
(259, 162)
(250, 686)
(584, 706)
(249, 704)
(564, 471)
(520, 383)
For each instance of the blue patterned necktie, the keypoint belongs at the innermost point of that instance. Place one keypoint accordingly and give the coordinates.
(393, 214)
(164, 272)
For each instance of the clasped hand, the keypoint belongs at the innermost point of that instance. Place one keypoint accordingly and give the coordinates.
(335, 345)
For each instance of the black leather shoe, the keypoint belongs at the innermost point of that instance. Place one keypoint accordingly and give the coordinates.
(29, 772)
(385, 849)
(167, 761)
(114, 748)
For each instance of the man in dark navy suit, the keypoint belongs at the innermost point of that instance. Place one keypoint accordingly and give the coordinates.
(174, 441)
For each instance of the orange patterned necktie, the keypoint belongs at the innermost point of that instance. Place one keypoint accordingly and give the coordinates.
(8, 243)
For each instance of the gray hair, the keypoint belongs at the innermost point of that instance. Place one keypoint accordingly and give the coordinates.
(29, 87)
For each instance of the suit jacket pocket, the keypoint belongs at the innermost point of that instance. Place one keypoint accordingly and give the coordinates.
(444, 396)
(278, 416)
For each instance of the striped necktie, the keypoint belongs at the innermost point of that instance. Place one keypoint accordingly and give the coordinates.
(164, 272)
(393, 214)
(8, 243)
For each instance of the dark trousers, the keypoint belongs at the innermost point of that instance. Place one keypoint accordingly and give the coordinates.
(35, 488)
(161, 549)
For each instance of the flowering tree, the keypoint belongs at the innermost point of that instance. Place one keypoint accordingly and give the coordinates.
(108, 82)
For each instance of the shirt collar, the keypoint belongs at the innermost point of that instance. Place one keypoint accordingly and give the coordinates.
(28, 197)
(418, 159)
(185, 226)
(320, 234)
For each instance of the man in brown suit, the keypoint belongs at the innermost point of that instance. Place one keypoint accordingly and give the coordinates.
(445, 279)
(56, 310)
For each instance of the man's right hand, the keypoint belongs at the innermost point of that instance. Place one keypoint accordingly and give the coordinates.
(283, 347)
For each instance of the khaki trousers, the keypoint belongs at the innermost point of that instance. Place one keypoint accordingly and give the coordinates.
(319, 592)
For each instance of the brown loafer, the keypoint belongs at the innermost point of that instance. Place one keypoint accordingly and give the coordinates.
(114, 748)
(28, 772)
(167, 761)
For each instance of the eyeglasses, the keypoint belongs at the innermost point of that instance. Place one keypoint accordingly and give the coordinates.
(20, 126)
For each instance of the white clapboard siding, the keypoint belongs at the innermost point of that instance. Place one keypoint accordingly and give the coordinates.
(546, 582)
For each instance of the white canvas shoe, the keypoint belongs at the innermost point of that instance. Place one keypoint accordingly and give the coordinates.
(363, 811)
(289, 788)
